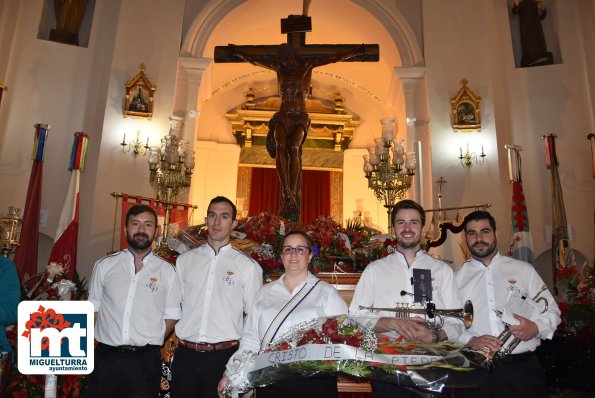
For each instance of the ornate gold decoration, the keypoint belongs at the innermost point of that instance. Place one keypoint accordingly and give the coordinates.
(138, 101)
(331, 127)
(10, 231)
(171, 168)
(465, 110)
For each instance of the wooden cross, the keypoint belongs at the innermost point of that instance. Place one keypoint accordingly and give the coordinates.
(293, 62)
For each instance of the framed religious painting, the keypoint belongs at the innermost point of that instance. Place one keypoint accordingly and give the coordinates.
(139, 98)
(465, 116)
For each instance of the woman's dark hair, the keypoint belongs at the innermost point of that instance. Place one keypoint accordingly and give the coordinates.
(303, 235)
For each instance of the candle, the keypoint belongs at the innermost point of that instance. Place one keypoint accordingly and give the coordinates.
(461, 150)
(124, 139)
(147, 142)
(482, 150)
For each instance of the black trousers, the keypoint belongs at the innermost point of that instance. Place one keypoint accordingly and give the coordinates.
(311, 387)
(196, 374)
(130, 375)
(516, 379)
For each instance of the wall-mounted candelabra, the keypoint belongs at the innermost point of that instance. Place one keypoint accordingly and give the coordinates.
(10, 229)
(468, 158)
(135, 146)
(389, 176)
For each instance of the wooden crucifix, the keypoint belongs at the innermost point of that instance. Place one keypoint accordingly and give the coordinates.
(293, 62)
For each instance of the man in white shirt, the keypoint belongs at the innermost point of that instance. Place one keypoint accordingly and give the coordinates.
(398, 279)
(136, 297)
(219, 284)
(488, 279)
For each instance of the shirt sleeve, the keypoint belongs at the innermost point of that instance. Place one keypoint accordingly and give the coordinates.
(548, 321)
(236, 368)
(335, 305)
(96, 286)
(173, 300)
(449, 294)
(253, 285)
(364, 295)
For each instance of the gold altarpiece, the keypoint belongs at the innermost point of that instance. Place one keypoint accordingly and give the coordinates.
(331, 130)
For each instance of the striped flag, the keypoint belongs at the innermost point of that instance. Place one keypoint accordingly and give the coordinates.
(65, 246)
(521, 243)
(25, 257)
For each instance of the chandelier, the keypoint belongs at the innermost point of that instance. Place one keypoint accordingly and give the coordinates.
(389, 175)
(171, 168)
(10, 228)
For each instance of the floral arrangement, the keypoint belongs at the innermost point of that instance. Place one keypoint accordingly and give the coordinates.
(343, 345)
(578, 304)
(53, 284)
(336, 248)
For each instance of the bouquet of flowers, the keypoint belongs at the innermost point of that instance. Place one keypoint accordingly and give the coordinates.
(578, 304)
(343, 345)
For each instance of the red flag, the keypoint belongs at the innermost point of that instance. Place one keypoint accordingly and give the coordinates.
(25, 257)
(65, 246)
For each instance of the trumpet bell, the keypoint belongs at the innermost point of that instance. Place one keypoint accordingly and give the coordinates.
(465, 314)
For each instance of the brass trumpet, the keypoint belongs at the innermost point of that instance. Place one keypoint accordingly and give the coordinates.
(465, 314)
(506, 333)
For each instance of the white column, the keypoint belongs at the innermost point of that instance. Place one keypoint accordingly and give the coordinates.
(415, 91)
(188, 83)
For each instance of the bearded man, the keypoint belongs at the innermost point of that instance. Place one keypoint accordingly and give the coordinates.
(136, 297)
(491, 280)
(412, 278)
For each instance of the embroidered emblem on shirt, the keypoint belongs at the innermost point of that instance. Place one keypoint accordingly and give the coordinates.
(229, 278)
(152, 284)
(512, 286)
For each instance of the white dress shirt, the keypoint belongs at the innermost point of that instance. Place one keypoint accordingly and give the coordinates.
(383, 280)
(217, 289)
(489, 287)
(133, 306)
(322, 301)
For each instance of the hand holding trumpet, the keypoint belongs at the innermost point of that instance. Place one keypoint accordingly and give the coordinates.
(525, 330)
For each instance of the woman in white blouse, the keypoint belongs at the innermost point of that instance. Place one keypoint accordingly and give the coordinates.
(269, 319)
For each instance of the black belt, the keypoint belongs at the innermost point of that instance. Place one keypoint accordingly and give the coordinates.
(513, 358)
(128, 349)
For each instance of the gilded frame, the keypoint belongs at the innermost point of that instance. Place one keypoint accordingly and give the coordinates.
(139, 97)
(465, 115)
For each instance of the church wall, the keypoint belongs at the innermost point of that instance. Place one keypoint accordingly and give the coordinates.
(472, 40)
(148, 32)
(76, 89)
(217, 175)
(52, 83)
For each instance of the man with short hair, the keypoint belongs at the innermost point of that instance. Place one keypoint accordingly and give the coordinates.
(399, 278)
(219, 284)
(136, 297)
(488, 279)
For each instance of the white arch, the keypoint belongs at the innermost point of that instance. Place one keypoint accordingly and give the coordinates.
(387, 14)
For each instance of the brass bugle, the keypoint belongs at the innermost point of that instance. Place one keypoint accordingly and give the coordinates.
(465, 314)
(506, 333)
